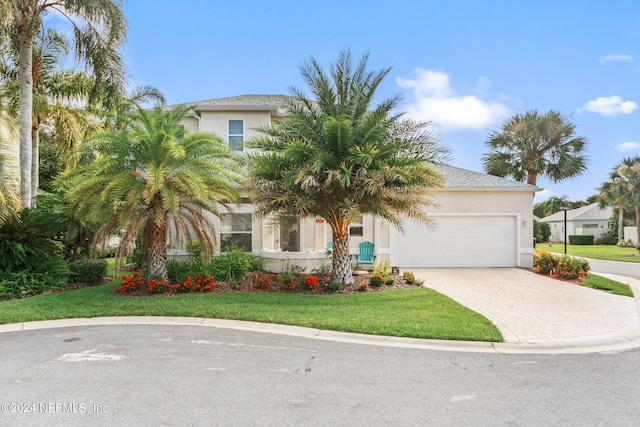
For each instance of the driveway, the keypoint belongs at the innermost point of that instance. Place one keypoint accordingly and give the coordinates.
(530, 308)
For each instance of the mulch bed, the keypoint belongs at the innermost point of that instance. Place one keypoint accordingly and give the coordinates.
(247, 285)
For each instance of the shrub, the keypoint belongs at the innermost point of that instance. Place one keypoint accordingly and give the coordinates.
(581, 239)
(261, 282)
(544, 262)
(409, 277)
(363, 287)
(564, 267)
(311, 283)
(184, 287)
(178, 271)
(377, 280)
(132, 283)
(625, 244)
(323, 270)
(334, 286)
(158, 286)
(569, 268)
(231, 266)
(381, 268)
(287, 280)
(205, 284)
(87, 270)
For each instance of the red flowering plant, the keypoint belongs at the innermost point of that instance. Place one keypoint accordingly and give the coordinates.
(158, 286)
(377, 280)
(132, 283)
(205, 284)
(287, 281)
(261, 282)
(184, 287)
(363, 287)
(311, 283)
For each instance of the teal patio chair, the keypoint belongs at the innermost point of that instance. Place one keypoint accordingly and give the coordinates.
(367, 254)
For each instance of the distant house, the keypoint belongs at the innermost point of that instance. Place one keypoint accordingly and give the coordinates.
(479, 221)
(590, 219)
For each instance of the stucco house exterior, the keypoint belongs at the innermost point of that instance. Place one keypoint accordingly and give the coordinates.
(478, 221)
(590, 219)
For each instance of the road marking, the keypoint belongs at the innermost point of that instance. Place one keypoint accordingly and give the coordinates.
(89, 356)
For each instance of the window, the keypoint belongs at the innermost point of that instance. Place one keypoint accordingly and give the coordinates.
(290, 236)
(235, 231)
(236, 134)
(590, 226)
(356, 228)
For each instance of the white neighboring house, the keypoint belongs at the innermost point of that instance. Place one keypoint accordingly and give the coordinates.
(480, 220)
(590, 219)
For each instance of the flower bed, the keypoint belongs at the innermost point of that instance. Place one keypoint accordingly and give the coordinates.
(560, 267)
(258, 281)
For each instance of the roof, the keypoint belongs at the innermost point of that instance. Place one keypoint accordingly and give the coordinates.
(276, 103)
(462, 179)
(589, 212)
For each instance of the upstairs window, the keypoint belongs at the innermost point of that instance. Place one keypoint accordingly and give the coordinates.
(236, 134)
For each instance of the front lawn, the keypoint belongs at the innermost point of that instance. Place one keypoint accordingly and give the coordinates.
(418, 313)
(599, 282)
(606, 252)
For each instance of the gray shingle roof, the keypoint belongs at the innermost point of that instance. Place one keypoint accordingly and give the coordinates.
(241, 102)
(592, 211)
(463, 179)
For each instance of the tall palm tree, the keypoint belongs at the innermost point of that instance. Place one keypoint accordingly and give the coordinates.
(615, 193)
(9, 189)
(99, 29)
(337, 158)
(531, 144)
(627, 175)
(150, 176)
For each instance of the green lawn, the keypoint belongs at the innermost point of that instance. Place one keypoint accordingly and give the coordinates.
(419, 313)
(599, 282)
(607, 252)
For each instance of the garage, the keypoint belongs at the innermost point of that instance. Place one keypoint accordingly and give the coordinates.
(457, 241)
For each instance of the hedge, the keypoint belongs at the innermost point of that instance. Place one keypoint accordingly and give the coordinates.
(581, 239)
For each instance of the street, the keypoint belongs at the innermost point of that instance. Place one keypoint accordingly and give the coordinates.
(149, 375)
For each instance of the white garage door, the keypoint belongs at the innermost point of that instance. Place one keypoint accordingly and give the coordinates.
(457, 241)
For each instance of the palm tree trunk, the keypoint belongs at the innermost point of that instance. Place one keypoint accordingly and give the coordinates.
(638, 228)
(25, 113)
(620, 223)
(35, 167)
(532, 177)
(342, 271)
(158, 253)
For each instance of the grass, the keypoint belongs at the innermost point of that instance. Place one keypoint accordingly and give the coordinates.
(418, 313)
(599, 282)
(606, 252)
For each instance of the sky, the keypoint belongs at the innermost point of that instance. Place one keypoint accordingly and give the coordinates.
(463, 66)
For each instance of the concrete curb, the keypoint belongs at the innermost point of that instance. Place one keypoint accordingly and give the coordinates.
(610, 343)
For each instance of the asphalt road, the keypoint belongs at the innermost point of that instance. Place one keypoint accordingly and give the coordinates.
(629, 269)
(150, 375)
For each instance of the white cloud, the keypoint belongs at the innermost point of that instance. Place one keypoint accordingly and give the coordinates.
(616, 58)
(609, 106)
(628, 146)
(436, 102)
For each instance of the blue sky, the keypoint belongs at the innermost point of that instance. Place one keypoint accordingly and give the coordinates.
(466, 66)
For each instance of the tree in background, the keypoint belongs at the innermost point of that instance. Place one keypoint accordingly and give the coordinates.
(9, 194)
(149, 176)
(531, 144)
(99, 29)
(623, 189)
(337, 157)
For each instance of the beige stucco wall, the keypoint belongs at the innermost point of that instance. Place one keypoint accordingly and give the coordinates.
(217, 122)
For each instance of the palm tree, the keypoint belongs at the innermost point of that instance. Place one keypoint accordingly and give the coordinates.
(626, 175)
(336, 158)
(530, 144)
(151, 176)
(616, 194)
(9, 194)
(99, 29)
